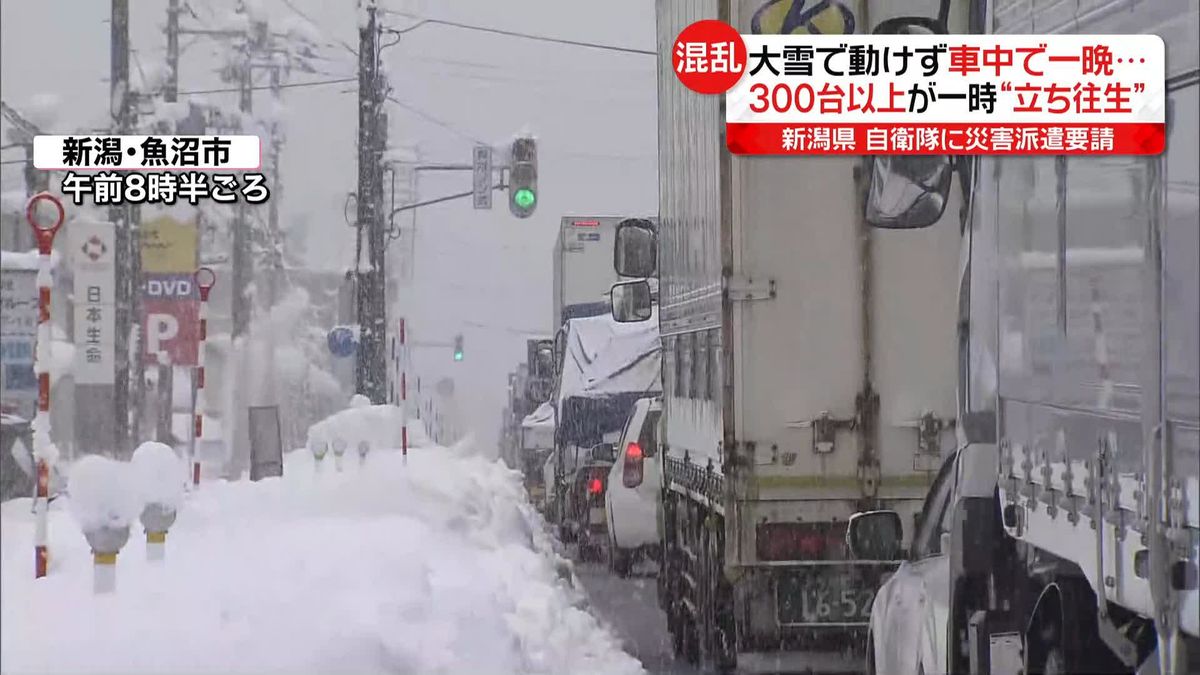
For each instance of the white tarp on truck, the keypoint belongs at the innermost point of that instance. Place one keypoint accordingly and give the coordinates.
(606, 358)
(606, 367)
(537, 429)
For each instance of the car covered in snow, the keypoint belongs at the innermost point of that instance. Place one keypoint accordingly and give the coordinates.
(632, 504)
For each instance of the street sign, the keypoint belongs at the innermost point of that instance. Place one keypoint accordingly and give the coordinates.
(483, 176)
(92, 251)
(341, 341)
(18, 333)
(170, 304)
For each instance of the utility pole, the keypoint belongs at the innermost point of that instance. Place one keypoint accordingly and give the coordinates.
(370, 368)
(124, 255)
(242, 261)
(171, 94)
(273, 234)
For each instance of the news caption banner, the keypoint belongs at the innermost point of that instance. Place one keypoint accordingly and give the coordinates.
(116, 170)
(930, 94)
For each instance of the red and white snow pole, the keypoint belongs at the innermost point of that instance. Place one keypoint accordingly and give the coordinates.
(43, 449)
(205, 280)
(403, 392)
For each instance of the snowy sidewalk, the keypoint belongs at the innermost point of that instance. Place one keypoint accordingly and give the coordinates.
(437, 566)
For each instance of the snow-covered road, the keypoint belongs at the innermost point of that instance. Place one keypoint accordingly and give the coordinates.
(437, 565)
(630, 606)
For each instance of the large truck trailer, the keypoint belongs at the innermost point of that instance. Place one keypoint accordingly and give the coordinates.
(1076, 505)
(805, 375)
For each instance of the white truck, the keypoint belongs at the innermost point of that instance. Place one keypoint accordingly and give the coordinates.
(583, 269)
(1069, 517)
(805, 374)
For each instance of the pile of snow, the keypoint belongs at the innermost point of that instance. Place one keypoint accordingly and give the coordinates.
(379, 425)
(26, 260)
(159, 473)
(103, 493)
(434, 565)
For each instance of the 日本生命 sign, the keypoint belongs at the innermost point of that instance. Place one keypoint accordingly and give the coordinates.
(92, 249)
(170, 299)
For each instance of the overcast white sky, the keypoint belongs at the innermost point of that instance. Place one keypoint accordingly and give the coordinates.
(592, 111)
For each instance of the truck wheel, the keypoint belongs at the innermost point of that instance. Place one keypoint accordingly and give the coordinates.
(620, 560)
(871, 670)
(1055, 663)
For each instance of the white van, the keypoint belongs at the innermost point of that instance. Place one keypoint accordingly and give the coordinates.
(632, 501)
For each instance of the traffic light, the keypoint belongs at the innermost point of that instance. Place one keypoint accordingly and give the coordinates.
(522, 178)
(458, 347)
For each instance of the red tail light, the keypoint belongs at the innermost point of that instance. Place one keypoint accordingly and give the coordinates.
(800, 541)
(633, 472)
(596, 486)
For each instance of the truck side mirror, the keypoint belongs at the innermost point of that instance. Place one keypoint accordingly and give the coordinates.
(908, 191)
(635, 253)
(875, 535)
(603, 452)
(631, 301)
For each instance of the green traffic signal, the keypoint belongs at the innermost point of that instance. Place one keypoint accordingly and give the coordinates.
(458, 356)
(524, 198)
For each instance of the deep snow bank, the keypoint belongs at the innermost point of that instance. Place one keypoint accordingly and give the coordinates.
(436, 565)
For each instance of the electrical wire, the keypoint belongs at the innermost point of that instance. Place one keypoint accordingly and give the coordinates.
(511, 33)
(302, 15)
(433, 120)
(290, 85)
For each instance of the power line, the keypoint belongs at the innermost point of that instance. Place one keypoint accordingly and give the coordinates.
(512, 33)
(433, 120)
(307, 18)
(290, 85)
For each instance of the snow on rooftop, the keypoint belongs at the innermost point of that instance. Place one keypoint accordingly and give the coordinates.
(436, 564)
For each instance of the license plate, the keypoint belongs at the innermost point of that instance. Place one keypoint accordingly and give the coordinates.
(822, 597)
(597, 516)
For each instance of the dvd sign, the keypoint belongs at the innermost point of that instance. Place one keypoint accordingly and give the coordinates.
(170, 287)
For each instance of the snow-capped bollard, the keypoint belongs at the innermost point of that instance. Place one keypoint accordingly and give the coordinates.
(156, 520)
(104, 501)
(318, 449)
(161, 481)
(106, 543)
(364, 447)
(339, 449)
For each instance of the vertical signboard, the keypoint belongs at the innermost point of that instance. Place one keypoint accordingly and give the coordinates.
(266, 442)
(18, 332)
(170, 299)
(92, 247)
(482, 166)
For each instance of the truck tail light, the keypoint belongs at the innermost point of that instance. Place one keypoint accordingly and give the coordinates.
(634, 472)
(597, 481)
(800, 541)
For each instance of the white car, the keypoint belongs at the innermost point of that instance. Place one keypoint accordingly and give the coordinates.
(910, 617)
(632, 502)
